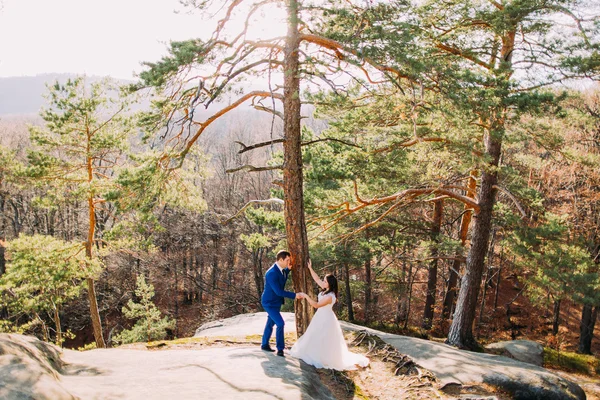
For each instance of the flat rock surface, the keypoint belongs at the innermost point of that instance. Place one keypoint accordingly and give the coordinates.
(450, 365)
(213, 373)
(241, 371)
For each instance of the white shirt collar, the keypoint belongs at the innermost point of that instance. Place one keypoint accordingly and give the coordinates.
(278, 266)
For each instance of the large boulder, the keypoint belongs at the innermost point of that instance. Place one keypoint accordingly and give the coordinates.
(453, 366)
(522, 350)
(29, 369)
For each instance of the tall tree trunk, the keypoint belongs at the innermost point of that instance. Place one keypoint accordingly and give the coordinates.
(436, 227)
(89, 245)
(497, 288)
(215, 266)
(175, 293)
(2, 256)
(3, 308)
(368, 287)
(464, 230)
(487, 276)
(258, 272)
(586, 329)
(295, 224)
(348, 292)
(556, 317)
(461, 330)
(402, 300)
(199, 276)
(411, 280)
(58, 328)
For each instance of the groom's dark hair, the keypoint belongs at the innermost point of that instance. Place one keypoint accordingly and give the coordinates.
(282, 254)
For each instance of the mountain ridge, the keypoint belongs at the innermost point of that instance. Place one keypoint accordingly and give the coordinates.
(23, 95)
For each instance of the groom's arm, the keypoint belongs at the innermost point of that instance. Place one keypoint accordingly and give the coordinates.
(279, 291)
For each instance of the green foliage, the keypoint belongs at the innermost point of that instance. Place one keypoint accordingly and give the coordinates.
(555, 267)
(181, 54)
(89, 346)
(8, 326)
(83, 142)
(147, 183)
(571, 362)
(255, 241)
(265, 218)
(44, 273)
(150, 324)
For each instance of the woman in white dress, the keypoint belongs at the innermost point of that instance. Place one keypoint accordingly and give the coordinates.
(323, 344)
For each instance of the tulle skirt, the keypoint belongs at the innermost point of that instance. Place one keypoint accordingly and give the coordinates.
(323, 344)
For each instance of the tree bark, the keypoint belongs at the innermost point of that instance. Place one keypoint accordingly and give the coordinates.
(411, 278)
(497, 288)
(368, 287)
(487, 276)
(464, 230)
(295, 224)
(586, 329)
(175, 295)
(89, 245)
(436, 227)
(215, 265)
(3, 309)
(556, 317)
(58, 328)
(348, 292)
(461, 330)
(2, 256)
(258, 271)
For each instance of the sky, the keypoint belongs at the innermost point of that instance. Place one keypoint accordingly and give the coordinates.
(108, 37)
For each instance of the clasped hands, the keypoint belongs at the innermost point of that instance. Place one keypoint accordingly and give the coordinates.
(300, 295)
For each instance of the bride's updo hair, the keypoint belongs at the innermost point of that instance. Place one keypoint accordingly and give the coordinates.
(333, 285)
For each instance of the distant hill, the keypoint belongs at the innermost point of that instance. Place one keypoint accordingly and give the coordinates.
(23, 95)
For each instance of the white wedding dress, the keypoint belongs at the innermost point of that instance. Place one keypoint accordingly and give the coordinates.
(323, 344)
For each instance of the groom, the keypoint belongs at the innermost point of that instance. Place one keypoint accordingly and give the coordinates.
(272, 299)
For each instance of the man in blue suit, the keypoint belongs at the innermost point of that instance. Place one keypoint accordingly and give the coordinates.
(273, 298)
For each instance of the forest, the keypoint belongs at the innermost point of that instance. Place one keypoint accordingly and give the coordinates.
(441, 158)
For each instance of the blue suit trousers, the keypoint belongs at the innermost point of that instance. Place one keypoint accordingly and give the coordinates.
(274, 318)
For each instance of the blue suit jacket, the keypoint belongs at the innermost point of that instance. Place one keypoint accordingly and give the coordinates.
(274, 293)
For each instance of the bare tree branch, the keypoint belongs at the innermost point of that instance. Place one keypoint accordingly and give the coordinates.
(513, 198)
(251, 168)
(257, 145)
(248, 204)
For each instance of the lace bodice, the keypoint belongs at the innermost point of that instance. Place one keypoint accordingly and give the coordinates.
(331, 294)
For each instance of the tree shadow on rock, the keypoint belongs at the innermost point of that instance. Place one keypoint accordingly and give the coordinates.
(297, 373)
(227, 382)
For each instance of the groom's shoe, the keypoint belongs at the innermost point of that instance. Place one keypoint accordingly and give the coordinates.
(266, 348)
(280, 353)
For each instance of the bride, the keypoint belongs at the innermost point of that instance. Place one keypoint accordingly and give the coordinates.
(323, 344)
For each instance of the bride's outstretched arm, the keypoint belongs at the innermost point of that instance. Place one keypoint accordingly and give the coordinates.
(315, 276)
(324, 301)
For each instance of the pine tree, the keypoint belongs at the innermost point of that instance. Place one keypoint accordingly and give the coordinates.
(42, 275)
(150, 324)
(77, 154)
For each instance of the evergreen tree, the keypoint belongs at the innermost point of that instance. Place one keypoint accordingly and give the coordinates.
(43, 274)
(150, 324)
(78, 152)
(489, 59)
